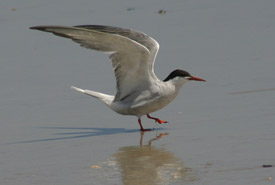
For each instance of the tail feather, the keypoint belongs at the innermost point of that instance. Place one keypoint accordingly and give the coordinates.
(107, 99)
(78, 89)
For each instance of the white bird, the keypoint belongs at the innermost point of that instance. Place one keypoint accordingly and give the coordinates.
(133, 53)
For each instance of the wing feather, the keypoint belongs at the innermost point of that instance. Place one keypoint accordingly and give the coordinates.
(132, 53)
(140, 37)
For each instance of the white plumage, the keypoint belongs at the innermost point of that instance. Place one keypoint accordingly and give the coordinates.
(133, 53)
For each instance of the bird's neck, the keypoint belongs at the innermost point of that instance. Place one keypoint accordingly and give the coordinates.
(173, 86)
(177, 83)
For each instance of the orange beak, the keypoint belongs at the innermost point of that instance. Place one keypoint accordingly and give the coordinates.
(196, 79)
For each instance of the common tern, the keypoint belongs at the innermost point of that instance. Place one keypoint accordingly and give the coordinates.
(139, 91)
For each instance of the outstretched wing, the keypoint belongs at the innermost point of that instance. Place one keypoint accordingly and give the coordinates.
(140, 37)
(132, 52)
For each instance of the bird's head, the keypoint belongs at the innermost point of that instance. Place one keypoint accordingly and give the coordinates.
(180, 77)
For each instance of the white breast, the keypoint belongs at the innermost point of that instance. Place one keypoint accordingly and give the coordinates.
(146, 101)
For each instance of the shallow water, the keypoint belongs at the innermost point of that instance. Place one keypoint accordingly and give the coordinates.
(219, 132)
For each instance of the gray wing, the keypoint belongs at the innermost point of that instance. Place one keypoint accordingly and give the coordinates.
(140, 37)
(132, 53)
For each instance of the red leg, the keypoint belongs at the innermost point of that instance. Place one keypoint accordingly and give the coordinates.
(156, 119)
(141, 127)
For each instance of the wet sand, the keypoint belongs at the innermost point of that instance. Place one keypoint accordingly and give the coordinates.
(219, 132)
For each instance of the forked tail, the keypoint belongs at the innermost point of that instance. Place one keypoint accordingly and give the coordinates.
(107, 99)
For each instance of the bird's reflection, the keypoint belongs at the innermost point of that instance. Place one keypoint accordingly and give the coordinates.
(147, 164)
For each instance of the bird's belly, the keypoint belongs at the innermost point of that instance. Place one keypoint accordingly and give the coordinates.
(142, 107)
(143, 103)
(151, 106)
